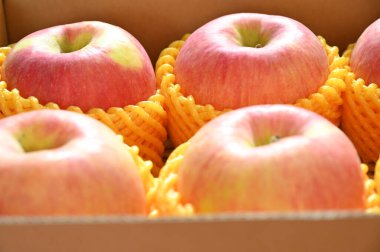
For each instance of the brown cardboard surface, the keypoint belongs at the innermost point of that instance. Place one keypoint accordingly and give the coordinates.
(157, 23)
(254, 232)
(3, 31)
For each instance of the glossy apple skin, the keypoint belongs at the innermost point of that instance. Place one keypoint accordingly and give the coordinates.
(87, 64)
(63, 163)
(231, 166)
(365, 57)
(216, 68)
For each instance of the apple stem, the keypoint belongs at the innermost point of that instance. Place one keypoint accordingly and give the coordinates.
(274, 139)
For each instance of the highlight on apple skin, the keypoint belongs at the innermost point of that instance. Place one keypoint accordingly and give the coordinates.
(249, 58)
(56, 162)
(270, 158)
(365, 57)
(89, 64)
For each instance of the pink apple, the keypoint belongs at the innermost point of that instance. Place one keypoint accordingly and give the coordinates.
(270, 158)
(365, 57)
(247, 58)
(86, 64)
(64, 163)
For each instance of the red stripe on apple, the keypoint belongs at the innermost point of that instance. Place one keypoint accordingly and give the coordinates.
(270, 158)
(87, 64)
(56, 162)
(365, 57)
(248, 58)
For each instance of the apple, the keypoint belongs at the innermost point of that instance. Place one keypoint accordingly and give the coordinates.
(365, 57)
(56, 162)
(247, 58)
(86, 64)
(270, 158)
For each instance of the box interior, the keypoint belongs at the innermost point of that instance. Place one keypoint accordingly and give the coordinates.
(155, 24)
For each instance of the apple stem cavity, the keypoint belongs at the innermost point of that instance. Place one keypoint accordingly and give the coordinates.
(252, 38)
(33, 139)
(67, 45)
(267, 140)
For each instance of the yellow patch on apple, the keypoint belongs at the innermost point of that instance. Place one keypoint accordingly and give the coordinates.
(317, 130)
(126, 56)
(22, 44)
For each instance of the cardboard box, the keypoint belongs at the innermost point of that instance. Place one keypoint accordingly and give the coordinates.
(156, 24)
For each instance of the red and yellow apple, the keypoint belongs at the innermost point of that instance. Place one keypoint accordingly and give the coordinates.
(360, 117)
(248, 58)
(86, 64)
(365, 57)
(64, 163)
(270, 158)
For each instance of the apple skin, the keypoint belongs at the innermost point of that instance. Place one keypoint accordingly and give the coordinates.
(220, 65)
(64, 163)
(232, 165)
(365, 57)
(86, 64)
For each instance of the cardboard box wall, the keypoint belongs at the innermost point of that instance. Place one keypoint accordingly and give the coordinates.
(156, 24)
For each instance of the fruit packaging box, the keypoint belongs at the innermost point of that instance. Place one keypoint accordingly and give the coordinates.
(156, 25)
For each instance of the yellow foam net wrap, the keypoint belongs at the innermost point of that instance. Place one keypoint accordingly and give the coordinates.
(165, 200)
(143, 124)
(185, 117)
(361, 114)
(145, 171)
(372, 188)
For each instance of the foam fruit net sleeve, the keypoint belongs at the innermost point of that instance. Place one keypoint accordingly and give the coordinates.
(361, 114)
(163, 198)
(142, 125)
(372, 188)
(145, 171)
(185, 117)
